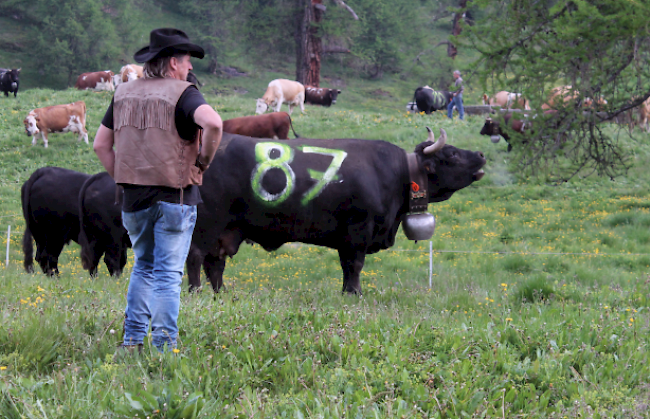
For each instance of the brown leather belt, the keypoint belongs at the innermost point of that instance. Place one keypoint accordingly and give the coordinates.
(418, 196)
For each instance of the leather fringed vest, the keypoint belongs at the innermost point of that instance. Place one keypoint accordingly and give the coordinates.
(149, 150)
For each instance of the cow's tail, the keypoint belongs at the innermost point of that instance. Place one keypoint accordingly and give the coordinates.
(291, 125)
(28, 245)
(413, 101)
(86, 249)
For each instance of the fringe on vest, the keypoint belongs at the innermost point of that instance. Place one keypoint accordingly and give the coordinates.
(143, 114)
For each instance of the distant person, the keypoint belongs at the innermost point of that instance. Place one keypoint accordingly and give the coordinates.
(150, 142)
(457, 99)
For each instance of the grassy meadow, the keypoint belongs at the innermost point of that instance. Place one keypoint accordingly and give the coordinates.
(538, 306)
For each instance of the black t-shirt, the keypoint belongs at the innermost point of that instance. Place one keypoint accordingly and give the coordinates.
(139, 197)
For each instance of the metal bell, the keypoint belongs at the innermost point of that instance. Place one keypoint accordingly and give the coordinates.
(418, 226)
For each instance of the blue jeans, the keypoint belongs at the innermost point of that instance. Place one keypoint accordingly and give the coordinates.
(458, 102)
(161, 237)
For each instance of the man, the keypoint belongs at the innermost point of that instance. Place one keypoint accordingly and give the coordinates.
(457, 99)
(155, 124)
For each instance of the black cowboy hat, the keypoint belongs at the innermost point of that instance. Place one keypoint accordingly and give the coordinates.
(164, 42)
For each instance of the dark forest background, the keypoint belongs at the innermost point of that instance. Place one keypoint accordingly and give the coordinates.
(55, 40)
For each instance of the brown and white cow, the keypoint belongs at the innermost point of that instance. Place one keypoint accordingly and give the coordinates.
(57, 118)
(321, 95)
(128, 73)
(507, 100)
(282, 91)
(273, 125)
(98, 80)
(562, 95)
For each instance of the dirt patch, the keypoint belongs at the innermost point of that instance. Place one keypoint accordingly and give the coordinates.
(380, 92)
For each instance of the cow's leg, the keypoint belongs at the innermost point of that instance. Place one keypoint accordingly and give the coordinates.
(214, 267)
(352, 261)
(51, 259)
(91, 255)
(44, 138)
(113, 259)
(34, 140)
(193, 264)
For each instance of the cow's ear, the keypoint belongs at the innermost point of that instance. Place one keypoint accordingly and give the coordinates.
(19, 70)
(338, 92)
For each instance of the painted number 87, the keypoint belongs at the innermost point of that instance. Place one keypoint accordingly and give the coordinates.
(272, 155)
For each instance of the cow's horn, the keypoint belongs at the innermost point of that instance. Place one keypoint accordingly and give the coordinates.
(437, 145)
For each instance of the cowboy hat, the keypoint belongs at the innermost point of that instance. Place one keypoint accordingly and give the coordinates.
(164, 42)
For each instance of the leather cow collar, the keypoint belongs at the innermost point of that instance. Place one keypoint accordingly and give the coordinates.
(418, 196)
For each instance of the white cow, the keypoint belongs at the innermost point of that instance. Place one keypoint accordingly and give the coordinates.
(282, 91)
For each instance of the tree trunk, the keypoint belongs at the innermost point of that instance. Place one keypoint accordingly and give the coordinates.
(452, 51)
(308, 43)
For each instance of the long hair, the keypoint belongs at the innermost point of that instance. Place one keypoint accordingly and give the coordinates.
(159, 66)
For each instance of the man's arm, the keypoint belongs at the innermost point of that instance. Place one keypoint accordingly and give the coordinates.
(103, 146)
(208, 119)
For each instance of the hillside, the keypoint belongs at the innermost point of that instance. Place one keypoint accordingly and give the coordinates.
(245, 51)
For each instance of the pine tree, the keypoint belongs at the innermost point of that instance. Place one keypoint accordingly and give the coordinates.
(599, 49)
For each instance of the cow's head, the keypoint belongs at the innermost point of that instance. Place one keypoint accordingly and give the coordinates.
(333, 94)
(491, 128)
(12, 76)
(117, 79)
(448, 168)
(261, 107)
(31, 124)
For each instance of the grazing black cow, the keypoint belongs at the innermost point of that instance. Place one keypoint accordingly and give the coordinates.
(321, 96)
(9, 81)
(191, 77)
(492, 128)
(346, 194)
(49, 198)
(429, 100)
(101, 231)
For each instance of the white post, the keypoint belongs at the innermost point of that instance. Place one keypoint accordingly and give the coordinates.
(8, 235)
(430, 262)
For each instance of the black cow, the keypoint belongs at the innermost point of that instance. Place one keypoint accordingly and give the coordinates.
(191, 77)
(346, 194)
(9, 81)
(101, 231)
(493, 129)
(321, 96)
(49, 199)
(429, 100)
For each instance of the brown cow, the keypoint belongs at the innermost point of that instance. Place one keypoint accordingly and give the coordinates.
(98, 80)
(507, 100)
(644, 114)
(57, 118)
(271, 125)
(321, 96)
(567, 94)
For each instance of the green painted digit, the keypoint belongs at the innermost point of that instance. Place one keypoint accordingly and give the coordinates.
(265, 163)
(323, 178)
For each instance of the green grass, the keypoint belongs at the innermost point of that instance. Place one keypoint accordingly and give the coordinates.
(538, 306)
